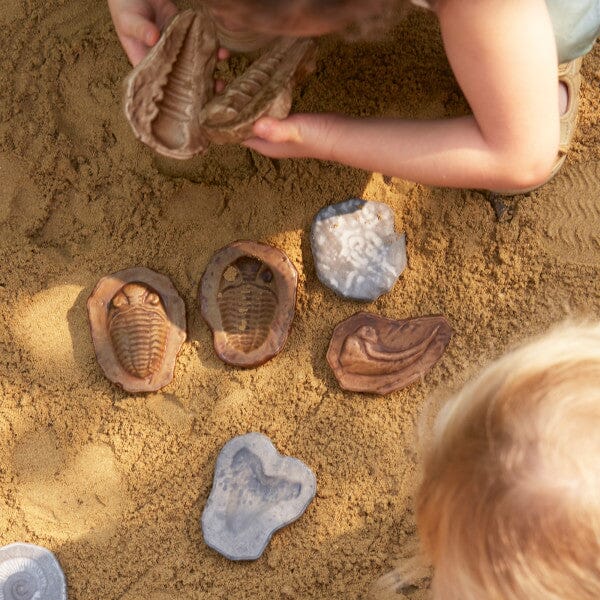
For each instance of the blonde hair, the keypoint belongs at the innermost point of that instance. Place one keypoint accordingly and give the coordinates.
(509, 504)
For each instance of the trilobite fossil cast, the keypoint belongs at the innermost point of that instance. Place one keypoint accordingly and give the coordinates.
(247, 297)
(137, 321)
(165, 93)
(169, 97)
(265, 89)
(138, 327)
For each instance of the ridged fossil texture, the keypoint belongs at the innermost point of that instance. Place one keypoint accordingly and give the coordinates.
(165, 93)
(137, 321)
(29, 572)
(369, 353)
(248, 297)
(169, 96)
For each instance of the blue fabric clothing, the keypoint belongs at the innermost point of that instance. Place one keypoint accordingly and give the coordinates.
(576, 25)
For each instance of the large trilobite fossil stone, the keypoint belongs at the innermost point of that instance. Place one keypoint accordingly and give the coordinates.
(265, 89)
(255, 492)
(369, 353)
(248, 298)
(137, 321)
(29, 572)
(169, 96)
(165, 93)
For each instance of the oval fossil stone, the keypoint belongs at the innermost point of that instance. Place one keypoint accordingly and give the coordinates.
(369, 353)
(248, 298)
(137, 321)
(165, 93)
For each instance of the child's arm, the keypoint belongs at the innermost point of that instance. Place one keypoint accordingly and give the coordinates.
(138, 24)
(504, 58)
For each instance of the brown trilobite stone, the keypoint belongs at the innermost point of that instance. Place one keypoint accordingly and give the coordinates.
(265, 89)
(369, 353)
(137, 321)
(165, 93)
(248, 298)
(169, 96)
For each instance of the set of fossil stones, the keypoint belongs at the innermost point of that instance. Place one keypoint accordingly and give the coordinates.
(247, 296)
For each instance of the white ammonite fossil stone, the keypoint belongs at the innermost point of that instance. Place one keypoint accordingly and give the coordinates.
(356, 250)
(30, 572)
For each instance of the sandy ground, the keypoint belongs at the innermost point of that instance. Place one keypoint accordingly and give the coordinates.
(114, 483)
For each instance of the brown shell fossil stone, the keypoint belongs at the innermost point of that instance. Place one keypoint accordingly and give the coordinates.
(165, 93)
(369, 353)
(137, 321)
(248, 298)
(169, 96)
(265, 89)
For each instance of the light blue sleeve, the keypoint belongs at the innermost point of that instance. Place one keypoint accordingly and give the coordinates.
(576, 26)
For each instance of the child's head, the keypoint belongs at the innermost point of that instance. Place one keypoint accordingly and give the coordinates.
(299, 17)
(509, 506)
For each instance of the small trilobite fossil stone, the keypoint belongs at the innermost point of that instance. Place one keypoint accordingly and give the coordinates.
(29, 572)
(138, 326)
(248, 297)
(265, 89)
(165, 93)
(137, 321)
(255, 492)
(369, 353)
(169, 96)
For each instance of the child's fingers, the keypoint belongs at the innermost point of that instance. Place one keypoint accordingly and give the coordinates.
(276, 132)
(223, 54)
(139, 28)
(135, 50)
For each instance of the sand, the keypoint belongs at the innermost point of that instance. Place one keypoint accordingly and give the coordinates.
(115, 483)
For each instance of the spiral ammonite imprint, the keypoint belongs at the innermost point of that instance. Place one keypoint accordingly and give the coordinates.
(357, 252)
(369, 353)
(255, 492)
(29, 572)
(247, 297)
(137, 321)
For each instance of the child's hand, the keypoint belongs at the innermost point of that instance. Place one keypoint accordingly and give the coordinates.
(138, 24)
(298, 136)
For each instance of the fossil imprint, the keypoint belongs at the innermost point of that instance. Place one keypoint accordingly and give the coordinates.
(369, 353)
(248, 298)
(169, 99)
(137, 321)
(30, 572)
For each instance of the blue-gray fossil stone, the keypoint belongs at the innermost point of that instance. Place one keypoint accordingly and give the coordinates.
(356, 250)
(255, 492)
(29, 572)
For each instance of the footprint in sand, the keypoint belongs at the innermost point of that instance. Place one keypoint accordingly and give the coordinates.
(568, 215)
(67, 496)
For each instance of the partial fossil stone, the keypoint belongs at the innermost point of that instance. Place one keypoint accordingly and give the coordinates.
(369, 353)
(165, 93)
(356, 250)
(255, 492)
(29, 572)
(137, 320)
(265, 89)
(248, 298)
